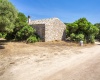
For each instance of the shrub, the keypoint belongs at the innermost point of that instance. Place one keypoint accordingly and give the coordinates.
(33, 39)
(24, 33)
(98, 35)
(0, 35)
(79, 37)
(8, 14)
(81, 30)
(72, 36)
(91, 39)
(3, 35)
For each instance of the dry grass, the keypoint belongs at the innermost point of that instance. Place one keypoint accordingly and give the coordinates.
(17, 51)
(21, 48)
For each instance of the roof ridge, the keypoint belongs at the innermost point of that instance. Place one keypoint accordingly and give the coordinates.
(45, 19)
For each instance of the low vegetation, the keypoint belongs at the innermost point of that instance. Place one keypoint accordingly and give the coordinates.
(98, 26)
(8, 15)
(13, 24)
(81, 30)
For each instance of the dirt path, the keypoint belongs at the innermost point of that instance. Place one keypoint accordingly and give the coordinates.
(53, 62)
(87, 67)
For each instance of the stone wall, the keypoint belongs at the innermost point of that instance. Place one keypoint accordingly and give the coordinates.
(40, 30)
(50, 29)
(55, 31)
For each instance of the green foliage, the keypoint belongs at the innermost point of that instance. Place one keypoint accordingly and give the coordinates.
(3, 35)
(24, 33)
(79, 37)
(92, 38)
(20, 22)
(81, 30)
(71, 28)
(0, 35)
(98, 26)
(33, 39)
(8, 14)
(76, 37)
(14, 23)
(72, 36)
(22, 30)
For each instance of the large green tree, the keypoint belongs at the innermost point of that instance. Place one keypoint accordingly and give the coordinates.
(22, 31)
(98, 26)
(81, 30)
(20, 22)
(8, 15)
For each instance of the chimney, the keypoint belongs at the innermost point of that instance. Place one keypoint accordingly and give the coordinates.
(29, 20)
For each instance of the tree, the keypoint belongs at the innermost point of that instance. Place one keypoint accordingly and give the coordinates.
(8, 15)
(20, 22)
(25, 33)
(98, 26)
(22, 31)
(81, 30)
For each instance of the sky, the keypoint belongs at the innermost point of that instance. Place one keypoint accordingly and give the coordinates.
(66, 10)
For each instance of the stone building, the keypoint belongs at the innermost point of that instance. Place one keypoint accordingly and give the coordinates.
(49, 29)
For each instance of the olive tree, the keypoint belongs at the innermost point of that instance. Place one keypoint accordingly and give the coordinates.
(98, 26)
(81, 30)
(8, 15)
(22, 31)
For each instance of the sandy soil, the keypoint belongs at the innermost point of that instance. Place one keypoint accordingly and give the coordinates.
(41, 61)
(85, 66)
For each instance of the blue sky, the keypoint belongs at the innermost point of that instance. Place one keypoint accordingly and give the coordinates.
(66, 10)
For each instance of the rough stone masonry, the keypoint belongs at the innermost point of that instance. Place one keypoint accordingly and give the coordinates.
(49, 29)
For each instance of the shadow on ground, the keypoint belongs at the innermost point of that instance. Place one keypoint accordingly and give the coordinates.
(2, 43)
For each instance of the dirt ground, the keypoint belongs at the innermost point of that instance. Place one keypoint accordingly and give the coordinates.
(21, 61)
(85, 66)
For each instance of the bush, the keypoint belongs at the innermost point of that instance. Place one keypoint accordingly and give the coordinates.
(91, 39)
(81, 30)
(79, 37)
(8, 14)
(27, 33)
(32, 39)
(72, 36)
(3, 35)
(0, 35)
(24, 33)
(98, 35)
